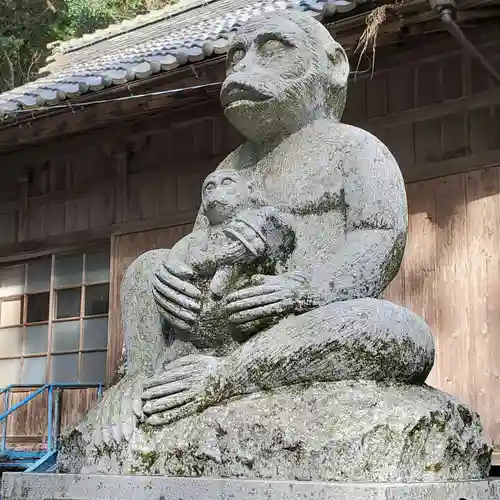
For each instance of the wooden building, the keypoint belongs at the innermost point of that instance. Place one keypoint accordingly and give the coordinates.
(85, 190)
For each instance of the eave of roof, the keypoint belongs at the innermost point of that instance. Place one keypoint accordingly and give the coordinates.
(190, 36)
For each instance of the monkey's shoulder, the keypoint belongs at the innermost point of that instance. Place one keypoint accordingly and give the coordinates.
(313, 164)
(342, 140)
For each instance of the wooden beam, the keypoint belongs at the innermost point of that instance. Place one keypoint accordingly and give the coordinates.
(15, 252)
(349, 42)
(10, 206)
(483, 99)
(129, 128)
(175, 219)
(83, 189)
(431, 170)
(22, 225)
(95, 117)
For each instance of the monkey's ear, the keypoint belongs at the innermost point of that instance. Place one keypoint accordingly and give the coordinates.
(339, 62)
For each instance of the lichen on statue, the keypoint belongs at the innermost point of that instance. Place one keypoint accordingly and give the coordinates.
(315, 314)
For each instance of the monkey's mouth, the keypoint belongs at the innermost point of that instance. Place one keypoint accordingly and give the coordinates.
(237, 92)
(215, 204)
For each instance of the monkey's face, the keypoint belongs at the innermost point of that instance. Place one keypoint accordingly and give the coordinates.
(224, 194)
(284, 70)
(268, 71)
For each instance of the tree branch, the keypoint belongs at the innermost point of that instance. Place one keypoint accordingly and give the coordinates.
(11, 80)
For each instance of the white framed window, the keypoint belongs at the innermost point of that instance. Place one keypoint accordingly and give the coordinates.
(54, 319)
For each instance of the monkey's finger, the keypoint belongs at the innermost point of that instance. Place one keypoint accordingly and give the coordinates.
(137, 409)
(179, 269)
(174, 296)
(253, 291)
(188, 360)
(181, 286)
(96, 437)
(175, 322)
(128, 417)
(107, 435)
(233, 245)
(167, 403)
(174, 309)
(171, 416)
(262, 300)
(116, 430)
(165, 378)
(126, 404)
(164, 390)
(172, 375)
(113, 408)
(258, 313)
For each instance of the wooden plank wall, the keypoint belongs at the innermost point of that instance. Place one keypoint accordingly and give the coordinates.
(438, 114)
(451, 276)
(150, 175)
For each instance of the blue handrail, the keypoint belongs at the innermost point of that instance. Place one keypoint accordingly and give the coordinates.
(52, 410)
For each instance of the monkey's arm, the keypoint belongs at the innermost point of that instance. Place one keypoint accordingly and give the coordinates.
(362, 266)
(376, 225)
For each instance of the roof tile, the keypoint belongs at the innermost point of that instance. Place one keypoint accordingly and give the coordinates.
(172, 43)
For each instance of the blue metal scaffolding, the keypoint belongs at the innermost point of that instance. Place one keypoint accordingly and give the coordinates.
(36, 461)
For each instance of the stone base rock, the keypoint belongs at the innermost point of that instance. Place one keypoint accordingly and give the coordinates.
(18, 486)
(345, 431)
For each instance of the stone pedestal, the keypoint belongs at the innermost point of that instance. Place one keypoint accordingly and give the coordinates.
(17, 486)
(336, 432)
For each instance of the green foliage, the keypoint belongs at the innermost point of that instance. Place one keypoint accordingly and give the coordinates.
(26, 26)
(84, 16)
(25, 29)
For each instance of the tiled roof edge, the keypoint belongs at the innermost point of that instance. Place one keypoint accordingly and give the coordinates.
(200, 41)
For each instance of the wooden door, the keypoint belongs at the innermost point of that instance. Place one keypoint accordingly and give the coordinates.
(125, 248)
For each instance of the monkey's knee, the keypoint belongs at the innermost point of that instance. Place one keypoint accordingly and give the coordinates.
(142, 326)
(378, 340)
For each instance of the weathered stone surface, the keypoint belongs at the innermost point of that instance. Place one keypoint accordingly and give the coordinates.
(17, 486)
(275, 293)
(345, 431)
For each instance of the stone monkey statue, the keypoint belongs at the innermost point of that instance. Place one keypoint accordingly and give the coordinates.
(344, 196)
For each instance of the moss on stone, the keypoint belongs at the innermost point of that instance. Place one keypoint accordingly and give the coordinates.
(434, 467)
(145, 462)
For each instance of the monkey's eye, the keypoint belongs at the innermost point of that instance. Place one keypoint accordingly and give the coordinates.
(271, 46)
(237, 56)
(227, 181)
(209, 186)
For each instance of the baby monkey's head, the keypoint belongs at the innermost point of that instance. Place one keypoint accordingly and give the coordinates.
(224, 194)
